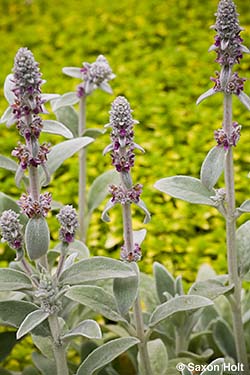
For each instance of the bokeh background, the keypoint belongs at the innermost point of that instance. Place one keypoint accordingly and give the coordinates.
(158, 50)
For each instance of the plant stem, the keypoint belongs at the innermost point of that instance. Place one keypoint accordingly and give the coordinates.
(62, 259)
(35, 192)
(82, 172)
(231, 241)
(143, 350)
(139, 325)
(34, 183)
(180, 340)
(58, 348)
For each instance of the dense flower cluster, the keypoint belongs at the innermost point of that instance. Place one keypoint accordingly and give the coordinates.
(124, 196)
(131, 256)
(122, 135)
(67, 217)
(27, 90)
(234, 85)
(26, 157)
(32, 207)
(223, 140)
(228, 43)
(95, 75)
(11, 229)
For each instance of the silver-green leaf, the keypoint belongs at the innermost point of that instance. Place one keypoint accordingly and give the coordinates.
(88, 328)
(164, 281)
(96, 268)
(12, 313)
(99, 188)
(214, 368)
(211, 288)
(243, 246)
(13, 280)
(212, 167)
(104, 354)
(187, 188)
(205, 95)
(45, 365)
(224, 339)
(64, 150)
(125, 292)
(177, 304)
(69, 117)
(97, 299)
(244, 207)
(56, 127)
(244, 98)
(158, 357)
(68, 99)
(8, 164)
(8, 86)
(31, 321)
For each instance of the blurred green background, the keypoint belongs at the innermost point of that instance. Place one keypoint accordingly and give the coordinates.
(158, 50)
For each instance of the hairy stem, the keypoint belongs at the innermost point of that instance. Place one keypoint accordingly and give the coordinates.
(180, 340)
(58, 348)
(143, 350)
(34, 183)
(139, 325)
(29, 271)
(231, 241)
(62, 259)
(82, 172)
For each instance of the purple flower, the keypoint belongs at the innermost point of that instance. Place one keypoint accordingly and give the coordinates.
(235, 84)
(131, 256)
(67, 217)
(124, 196)
(97, 75)
(32, 207)
(26, 88)
(11, 229)
(122, 135)
(223, 140)
(25, 157)
(228, 43)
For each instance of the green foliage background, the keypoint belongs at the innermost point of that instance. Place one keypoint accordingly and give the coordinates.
(158, 50)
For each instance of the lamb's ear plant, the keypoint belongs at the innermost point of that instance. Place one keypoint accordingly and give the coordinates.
(93, 76)
(165, 326)
(43, 276)
(229, 48)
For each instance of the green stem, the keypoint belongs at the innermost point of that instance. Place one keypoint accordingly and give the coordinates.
(82, 172)
(231, 241)
(58, 348)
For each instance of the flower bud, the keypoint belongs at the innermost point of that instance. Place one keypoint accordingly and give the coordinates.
(11, 229)
(37, 237)
(67, 217)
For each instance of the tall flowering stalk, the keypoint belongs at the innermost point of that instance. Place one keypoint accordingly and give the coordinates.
(26, 105)
(229, 49)
(94, 76)
(122, 154)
